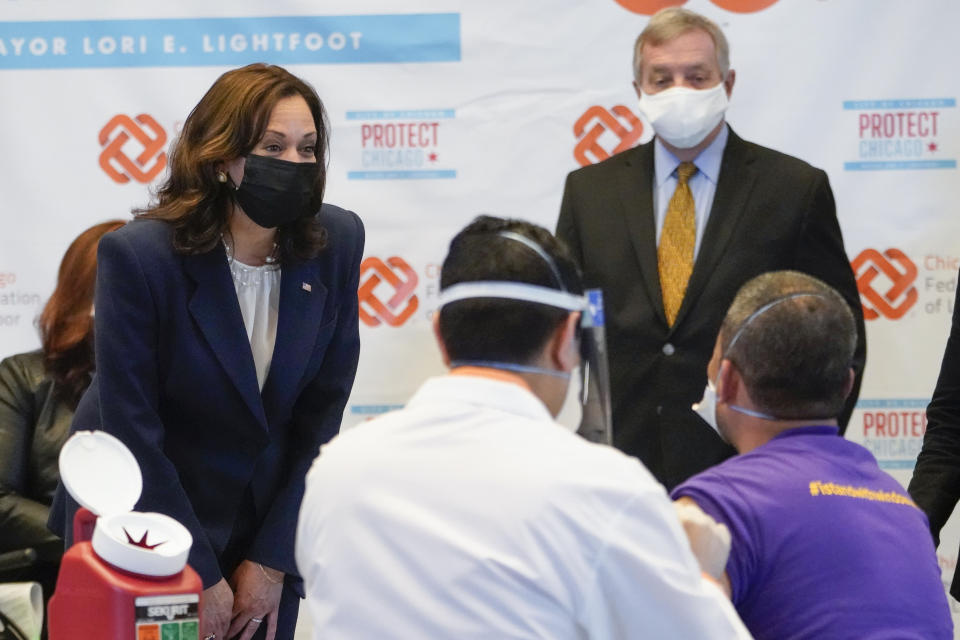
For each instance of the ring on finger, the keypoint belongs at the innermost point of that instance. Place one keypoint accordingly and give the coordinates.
(256, 620)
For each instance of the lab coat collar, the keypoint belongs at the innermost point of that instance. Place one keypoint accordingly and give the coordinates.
(482, 392)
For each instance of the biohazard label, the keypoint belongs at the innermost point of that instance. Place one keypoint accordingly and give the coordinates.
(174, 617)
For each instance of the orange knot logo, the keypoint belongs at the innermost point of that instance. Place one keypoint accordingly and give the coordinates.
(402, 302)
(148, 163)
(899, 273)
(650, 7)
(600, 121)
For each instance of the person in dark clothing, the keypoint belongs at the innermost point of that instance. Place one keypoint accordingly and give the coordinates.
(39, 391)
(935, 485)
(227, 341)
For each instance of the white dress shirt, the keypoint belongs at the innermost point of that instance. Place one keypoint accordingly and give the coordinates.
(258, 292)
(471, 514)
(703, 184)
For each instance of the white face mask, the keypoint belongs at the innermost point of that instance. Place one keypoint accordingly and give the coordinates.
(707, 408)
(571, 414)
(684, 117)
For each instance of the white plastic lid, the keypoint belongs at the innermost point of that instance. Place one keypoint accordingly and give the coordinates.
(151, 544)
(100, 473)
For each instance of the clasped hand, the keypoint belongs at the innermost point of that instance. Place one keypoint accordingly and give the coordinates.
(236, 609)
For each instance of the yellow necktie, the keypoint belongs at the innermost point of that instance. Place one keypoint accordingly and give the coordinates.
(677, 239)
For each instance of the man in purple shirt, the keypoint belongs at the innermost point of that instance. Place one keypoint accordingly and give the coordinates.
(824, 543)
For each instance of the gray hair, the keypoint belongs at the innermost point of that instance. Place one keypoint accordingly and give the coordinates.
(792, 339)
(669, 23)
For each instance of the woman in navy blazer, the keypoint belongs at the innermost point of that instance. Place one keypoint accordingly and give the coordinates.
(227, 340)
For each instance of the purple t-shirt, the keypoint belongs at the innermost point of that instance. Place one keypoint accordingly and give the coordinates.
(824, 543)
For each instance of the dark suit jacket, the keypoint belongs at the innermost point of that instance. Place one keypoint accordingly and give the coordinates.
(770, 212)
(176, 383)
(935, 485)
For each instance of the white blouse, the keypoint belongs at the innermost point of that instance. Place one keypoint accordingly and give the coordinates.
(258, 292)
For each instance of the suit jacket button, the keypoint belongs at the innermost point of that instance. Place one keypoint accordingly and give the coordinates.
(659, 409)
(668, 349)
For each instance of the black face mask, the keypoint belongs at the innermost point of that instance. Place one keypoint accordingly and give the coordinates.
(274, 192)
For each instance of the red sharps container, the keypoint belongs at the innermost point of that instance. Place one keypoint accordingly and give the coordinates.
(126, 576)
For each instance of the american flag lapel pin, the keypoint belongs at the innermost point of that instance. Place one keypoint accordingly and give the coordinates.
(306, 287)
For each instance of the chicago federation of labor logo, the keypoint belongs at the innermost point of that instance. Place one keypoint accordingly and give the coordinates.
(885, 281)
(142, 163)
(591, 127)
(395, 301)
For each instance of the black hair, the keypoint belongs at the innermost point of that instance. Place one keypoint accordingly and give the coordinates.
(795, 338)
(495, 329)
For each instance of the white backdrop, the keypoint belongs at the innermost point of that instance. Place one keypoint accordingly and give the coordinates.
(443, 109)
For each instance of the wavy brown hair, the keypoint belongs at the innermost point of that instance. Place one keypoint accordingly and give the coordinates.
(227, 123)
(66, 326)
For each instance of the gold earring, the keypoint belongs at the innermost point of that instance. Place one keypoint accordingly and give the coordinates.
(221, 176)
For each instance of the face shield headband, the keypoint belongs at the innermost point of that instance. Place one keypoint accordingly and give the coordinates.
(512, 291)
(595, 387)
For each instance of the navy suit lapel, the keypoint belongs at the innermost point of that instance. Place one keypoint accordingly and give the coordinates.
(215, 308)
(636, 196)
(302, 298)
(737, 176)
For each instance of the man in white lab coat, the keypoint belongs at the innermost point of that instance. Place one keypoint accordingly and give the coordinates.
(471, 513)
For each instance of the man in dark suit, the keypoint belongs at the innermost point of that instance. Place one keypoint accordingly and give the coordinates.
(671, 229)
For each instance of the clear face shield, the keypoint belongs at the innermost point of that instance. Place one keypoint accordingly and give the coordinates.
(596, 423)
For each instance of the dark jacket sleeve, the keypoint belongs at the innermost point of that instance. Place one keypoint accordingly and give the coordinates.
(567, 223)
(127, 337)
(935, 485)
(22, 517)
(316, 419)
(821, 254)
